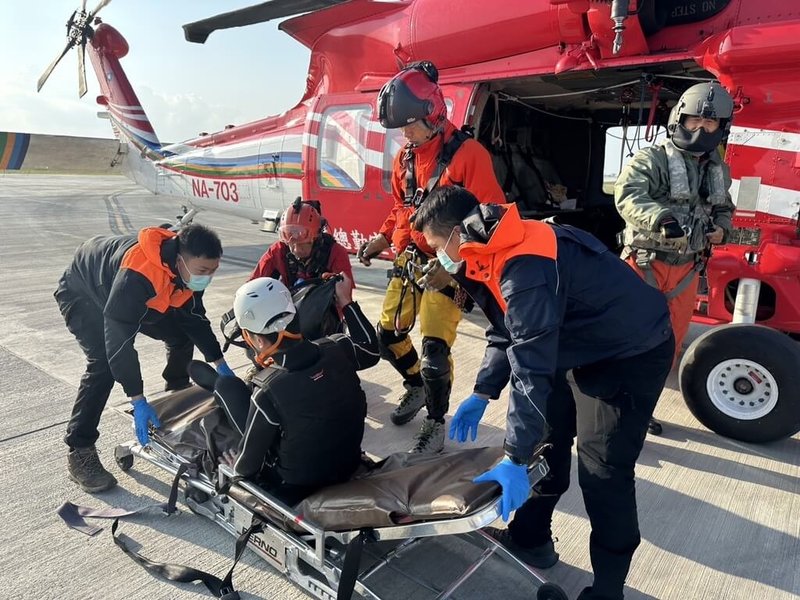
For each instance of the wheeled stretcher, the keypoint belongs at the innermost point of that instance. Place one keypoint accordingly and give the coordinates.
(409, 528)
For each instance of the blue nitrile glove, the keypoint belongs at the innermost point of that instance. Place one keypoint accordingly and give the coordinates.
(143, 414)
(467, 417)
(223, 370)
(513, 479)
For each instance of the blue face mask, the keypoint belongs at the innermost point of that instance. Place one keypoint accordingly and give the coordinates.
(196, 283)
(448, 264)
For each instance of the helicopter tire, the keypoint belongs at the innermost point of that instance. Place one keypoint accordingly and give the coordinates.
(741, 382)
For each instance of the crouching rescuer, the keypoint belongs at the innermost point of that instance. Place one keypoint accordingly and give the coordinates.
(116, 288)
(302, 425)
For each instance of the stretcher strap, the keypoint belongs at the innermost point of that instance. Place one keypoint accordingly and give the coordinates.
(220, 588)
(73, 514)
(352, 562)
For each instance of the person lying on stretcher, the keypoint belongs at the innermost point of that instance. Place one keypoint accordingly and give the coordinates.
(303, 423)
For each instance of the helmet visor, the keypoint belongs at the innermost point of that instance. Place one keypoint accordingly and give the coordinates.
(398, 105)
(299, 234)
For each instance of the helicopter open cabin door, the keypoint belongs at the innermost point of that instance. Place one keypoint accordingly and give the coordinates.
(347, 166)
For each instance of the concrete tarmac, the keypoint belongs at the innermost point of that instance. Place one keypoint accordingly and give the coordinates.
(719, 519)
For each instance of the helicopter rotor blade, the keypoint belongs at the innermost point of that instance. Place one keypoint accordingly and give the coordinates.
(82, 70)
(258, 13)
(52, 66)
(97, 9)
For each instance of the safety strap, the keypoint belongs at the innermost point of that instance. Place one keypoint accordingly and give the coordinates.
(414, 196)
(650, 278)
(411, 177)
(409, 282)
(73, 514)
(220, 588)
(351, 564)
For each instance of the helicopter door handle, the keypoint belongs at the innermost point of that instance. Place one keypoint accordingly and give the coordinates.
(272, 179)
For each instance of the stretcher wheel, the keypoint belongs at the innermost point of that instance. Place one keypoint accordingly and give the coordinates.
(550, 591)
(655, 427)
(124, 460)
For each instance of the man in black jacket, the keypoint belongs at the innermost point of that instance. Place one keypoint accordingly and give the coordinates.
(115, 288)
(302, 426)
(557, 299)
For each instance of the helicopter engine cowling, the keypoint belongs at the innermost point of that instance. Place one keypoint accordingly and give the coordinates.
(108, 39)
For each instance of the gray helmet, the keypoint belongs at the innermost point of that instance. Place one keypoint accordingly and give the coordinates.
(707, 100)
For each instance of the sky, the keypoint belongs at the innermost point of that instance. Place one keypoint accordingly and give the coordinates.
(238, 75)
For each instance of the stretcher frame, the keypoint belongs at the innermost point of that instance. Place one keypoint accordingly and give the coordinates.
(311, 557)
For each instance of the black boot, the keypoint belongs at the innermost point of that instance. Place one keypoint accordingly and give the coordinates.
(85, 469)
(588, 594)
(543, 556)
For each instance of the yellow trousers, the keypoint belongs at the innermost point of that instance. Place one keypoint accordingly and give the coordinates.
(438, 315)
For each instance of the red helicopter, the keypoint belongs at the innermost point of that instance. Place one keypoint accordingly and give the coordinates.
(542, 84)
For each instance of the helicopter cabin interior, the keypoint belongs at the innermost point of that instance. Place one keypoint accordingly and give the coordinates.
(559, 141)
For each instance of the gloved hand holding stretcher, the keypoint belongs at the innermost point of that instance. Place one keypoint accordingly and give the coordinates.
(512, 477)
(144, 416)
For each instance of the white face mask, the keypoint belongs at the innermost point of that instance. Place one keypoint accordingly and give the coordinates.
(448, 264)
(196, 283)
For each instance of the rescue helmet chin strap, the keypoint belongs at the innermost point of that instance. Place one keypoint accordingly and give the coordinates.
(263, 357)
(434, 131)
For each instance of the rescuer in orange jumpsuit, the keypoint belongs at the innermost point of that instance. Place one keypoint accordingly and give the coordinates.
(436, 153)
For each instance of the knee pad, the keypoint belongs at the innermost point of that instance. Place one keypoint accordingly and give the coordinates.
(435, 359)
(387, 339)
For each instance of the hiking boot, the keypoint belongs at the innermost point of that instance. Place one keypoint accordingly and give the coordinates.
(85, 469)
(543, 556)
(410, 404)
(430, 439)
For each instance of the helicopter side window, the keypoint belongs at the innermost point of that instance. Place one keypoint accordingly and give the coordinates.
(343, 147)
